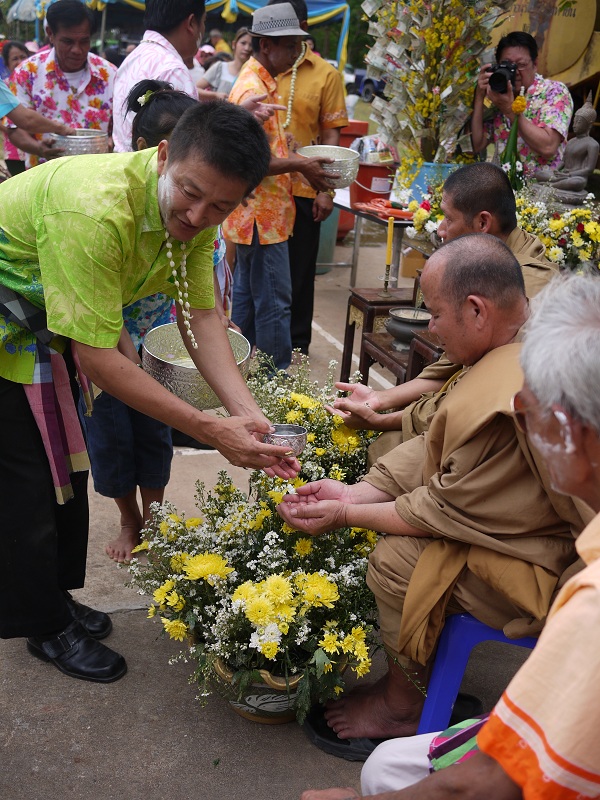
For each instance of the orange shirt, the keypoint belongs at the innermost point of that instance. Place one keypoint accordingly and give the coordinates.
(319, 104)
(273, 207)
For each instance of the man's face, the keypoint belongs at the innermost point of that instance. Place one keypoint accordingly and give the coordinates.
(453, 326)
(72, 46)
(281, 55)
(193, 196)
(454, 223)
(525, 66)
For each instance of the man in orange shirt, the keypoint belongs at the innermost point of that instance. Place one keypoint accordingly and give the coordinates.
(262, 291)
(316, 113)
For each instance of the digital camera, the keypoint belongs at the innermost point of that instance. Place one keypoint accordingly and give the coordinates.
(501, 74)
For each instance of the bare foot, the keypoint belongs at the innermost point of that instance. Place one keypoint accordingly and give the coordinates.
(120, 548)
(376, 712)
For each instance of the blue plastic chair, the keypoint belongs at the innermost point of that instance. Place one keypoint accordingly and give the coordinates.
(460, 635)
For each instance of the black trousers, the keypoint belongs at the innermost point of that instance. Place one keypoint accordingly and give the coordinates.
(303, 247)
(43, 545)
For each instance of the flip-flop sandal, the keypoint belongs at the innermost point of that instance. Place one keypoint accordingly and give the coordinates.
(325, 738)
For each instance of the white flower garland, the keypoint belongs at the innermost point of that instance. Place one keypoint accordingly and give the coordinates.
(182, 295)
(288, 116)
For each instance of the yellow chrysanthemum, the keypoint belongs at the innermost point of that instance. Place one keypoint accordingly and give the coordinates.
(330, 643)
(285, 528)
(174, 517)
(152, 611)
(293, 416)
(269, 649)
(303, 547)
(193, 522)
(164, 528)
(310, 437)
(206, 566)
(177, 561)
(276, 496)
(175, 628)
(317, 590)
(277, 588)
(245, 591)
(320, 451)
(161, 593)
(259, 610)
(141, 546)
(362, 668)
(175, 601)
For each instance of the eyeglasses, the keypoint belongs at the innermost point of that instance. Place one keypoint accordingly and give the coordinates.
(519, 412)
(520, 65)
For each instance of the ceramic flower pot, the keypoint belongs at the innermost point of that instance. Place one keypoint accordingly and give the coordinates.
(269, 701)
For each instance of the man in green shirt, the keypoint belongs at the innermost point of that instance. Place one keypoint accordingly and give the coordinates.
(79, 239)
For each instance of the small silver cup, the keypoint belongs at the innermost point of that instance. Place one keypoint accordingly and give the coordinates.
(292, 436)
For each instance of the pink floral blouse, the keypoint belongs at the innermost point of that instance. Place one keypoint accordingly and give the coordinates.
(549, 105)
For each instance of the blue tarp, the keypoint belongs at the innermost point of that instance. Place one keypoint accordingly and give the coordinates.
(319, 12)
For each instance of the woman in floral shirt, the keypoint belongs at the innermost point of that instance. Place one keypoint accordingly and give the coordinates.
(543, 126)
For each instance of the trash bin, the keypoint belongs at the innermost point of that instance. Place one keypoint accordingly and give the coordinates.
(354, 128)
(327, 240)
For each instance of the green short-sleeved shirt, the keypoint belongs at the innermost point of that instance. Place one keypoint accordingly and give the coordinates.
(83, 237)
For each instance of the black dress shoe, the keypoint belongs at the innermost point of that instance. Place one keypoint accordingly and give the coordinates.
(97, 624)
(76, 654)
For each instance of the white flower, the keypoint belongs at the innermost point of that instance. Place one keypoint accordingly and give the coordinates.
(410, 232)
(518, 166)
(506, 167)
(431, 226)
(142, 100)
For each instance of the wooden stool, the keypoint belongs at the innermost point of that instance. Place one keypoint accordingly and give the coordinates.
(364, 305)
(377, 347)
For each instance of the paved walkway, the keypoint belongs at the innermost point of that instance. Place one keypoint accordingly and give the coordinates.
(146, 737)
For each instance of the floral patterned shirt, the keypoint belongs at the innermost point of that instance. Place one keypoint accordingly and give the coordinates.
(273, 207)
(549, 105)
(39, 83)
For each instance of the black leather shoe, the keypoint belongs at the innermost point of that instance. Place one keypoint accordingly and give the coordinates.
(97, 624)
(76, 654)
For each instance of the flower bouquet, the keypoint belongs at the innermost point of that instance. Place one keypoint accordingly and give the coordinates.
(571, 237)
(249, 592)
(509, 160)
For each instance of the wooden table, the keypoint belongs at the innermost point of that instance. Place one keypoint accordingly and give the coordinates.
(342, 201)
(405, 364)
(365, 308)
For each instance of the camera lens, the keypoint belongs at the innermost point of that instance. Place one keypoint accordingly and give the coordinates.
(499, 80)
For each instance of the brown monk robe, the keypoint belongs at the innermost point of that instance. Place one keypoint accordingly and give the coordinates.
(500, 536)
(537, 272)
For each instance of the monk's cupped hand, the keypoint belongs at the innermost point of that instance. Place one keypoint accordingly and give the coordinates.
(317, 507)
(359, 409)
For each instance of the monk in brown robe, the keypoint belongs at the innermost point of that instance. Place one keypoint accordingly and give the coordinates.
(471, 521)
(477, 198)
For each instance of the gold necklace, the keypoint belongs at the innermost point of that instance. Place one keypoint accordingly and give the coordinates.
(288, 117)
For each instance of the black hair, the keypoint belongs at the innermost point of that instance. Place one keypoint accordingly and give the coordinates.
(164, 15)
(299, 7)
(483, 187)
(156, 117)
(224, 136)
(68, 14)
(517, 39)
(12, 44)
(483, 265)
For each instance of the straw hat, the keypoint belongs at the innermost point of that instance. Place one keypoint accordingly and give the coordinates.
(276, 20)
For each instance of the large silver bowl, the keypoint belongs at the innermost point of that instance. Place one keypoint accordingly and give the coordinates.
(165, 358)
(345, 163)
(82, 142)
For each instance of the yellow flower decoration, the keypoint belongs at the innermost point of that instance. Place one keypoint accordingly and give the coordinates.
(259, 610)
(161, 593)
(269, 649)
(519, 104)
(206, 566)
(303, 547)
(141, 546)
(193, 522)
(175, 628)
(277, 588)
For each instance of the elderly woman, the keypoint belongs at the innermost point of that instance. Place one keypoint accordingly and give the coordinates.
(543, 126)
(540, 740)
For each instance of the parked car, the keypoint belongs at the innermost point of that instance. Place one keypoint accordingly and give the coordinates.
(367, 87)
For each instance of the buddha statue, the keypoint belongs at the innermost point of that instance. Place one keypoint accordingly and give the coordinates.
(567, 183)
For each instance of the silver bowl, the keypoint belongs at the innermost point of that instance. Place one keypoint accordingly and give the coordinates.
(165, 358)
(345, 163)
(83, 141)
(292, 436)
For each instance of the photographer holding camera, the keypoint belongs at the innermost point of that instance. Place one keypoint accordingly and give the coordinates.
(544, 124)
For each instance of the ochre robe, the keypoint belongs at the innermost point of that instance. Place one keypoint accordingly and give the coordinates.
(473, 484)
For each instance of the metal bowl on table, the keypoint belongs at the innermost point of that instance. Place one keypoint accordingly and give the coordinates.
(166, 359)
(404, 321)
(345, 162)
(83, 141)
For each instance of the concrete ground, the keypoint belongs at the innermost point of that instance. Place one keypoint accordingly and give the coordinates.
(146, 737)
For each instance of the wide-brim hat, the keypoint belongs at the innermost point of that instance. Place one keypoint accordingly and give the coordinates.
(276, 20)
